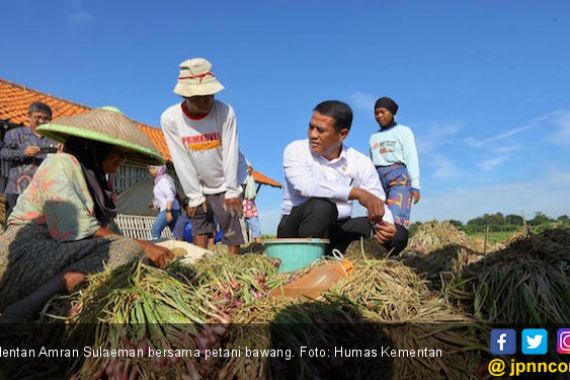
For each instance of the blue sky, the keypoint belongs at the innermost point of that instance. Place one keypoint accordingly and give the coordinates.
(485, 85)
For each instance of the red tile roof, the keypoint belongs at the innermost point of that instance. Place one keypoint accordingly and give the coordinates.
(15, 99)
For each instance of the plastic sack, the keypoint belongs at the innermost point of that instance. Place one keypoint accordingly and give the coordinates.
(250, 188)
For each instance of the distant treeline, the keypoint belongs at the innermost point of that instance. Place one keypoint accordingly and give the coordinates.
(499, 222)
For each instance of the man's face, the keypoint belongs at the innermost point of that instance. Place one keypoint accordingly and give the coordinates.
(200, 105)
(38, 118)
(323, 137)
(383, 116)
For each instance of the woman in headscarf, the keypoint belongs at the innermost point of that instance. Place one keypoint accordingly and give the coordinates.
(57, 233)
(393, 152)
(164, 199)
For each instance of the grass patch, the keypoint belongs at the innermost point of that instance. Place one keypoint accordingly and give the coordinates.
(493, 237)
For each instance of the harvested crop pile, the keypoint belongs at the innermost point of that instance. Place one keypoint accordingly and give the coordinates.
(460, 347)
(143, 308)
(377, 284)
(393, 296)
(324, 327)
(249, 328)
(441, 265)
(382, 303)
(434, 234)
(527, 282)
(365, 249)
(232, 281)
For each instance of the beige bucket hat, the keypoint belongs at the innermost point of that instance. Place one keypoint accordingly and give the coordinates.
(107, 125)
(196, 78)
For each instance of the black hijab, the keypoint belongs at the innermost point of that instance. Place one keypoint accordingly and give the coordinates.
(90, 155)
(388, 103)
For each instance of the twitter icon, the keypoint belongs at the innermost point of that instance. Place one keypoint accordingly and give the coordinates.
(534, 341)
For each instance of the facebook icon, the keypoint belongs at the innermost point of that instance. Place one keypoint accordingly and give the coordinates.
(503, 341)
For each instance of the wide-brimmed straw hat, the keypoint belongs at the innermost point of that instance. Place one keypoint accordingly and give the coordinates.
(107, 125)
(196, 78)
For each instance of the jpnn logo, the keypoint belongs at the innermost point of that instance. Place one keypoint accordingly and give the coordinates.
(534, 341)
(503, 341)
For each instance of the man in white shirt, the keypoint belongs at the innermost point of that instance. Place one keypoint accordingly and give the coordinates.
(201, 134)
(323, 177)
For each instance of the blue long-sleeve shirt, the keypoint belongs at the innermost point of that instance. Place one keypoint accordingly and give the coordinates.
(396, 145)
(22, 168)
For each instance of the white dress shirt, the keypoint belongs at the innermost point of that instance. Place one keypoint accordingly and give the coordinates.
(310, 175)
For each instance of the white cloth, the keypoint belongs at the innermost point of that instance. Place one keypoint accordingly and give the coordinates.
(164, 191)
(309, 175)
(204, 152)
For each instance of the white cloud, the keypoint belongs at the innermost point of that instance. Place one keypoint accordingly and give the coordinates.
(491, 163)
(512, 198)
(557, 120)
(505, 149)
(436, 134)
(501, 144)
(80, 17)
(77, 14)
(478, 143)
(561, 122)
(443, 168)
(363, 101)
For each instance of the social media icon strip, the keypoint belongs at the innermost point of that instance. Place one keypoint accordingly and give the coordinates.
(563, 341)
(534, 341)
(503, 341)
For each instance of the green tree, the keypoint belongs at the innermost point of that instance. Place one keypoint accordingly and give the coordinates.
(479, 221)
(539, 218)
(516, 220)
(455, 223)
(494, 219)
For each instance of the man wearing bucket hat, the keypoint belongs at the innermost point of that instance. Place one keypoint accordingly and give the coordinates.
(201, 134)
(57, 233)
(323, 177)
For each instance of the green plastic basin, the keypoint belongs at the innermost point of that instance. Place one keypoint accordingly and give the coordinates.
(295, 253)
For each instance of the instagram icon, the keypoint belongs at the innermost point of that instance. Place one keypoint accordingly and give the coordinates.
(563, 341)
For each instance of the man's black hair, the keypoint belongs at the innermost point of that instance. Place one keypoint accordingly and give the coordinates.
(39, 107)
(339, 111)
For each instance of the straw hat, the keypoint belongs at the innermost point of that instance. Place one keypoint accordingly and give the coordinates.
(196, 78)
(107, 125)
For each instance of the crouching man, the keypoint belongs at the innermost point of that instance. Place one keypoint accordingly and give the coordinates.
(323, 177)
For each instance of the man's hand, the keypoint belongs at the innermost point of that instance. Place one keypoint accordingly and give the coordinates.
(169, 218)
(384, 232)
(31, 151)
(234, 206)
(370, 202)
(415, 195)
(191, 211)
(157, 255)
